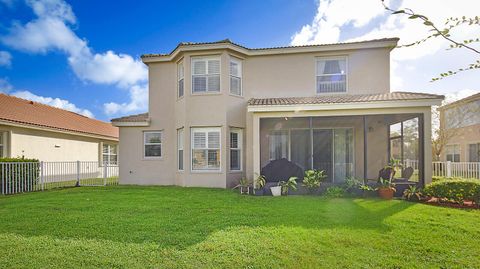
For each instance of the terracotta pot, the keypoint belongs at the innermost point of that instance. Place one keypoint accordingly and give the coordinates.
(386, 193)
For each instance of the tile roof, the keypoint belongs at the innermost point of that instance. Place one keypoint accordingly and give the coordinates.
(346, 98)
(17, 110)
(465, 100)
(132, 118)
(228, 41)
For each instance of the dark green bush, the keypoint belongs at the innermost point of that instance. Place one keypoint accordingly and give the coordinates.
(455, 190)
(18, 174)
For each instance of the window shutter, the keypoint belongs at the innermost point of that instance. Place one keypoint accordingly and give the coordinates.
(213, 67)
(233, 140)
(199, 140)
(199, 67)
(214, 83)
(214, 140)
(199, 84)
(234, 69)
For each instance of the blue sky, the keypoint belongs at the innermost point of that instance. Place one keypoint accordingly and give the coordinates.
(62, 53)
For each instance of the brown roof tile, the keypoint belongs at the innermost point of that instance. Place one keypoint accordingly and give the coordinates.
(17, 110)
(132, 118)
(346, 98)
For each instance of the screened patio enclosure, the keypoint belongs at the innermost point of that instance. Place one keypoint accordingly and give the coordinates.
(346, 146)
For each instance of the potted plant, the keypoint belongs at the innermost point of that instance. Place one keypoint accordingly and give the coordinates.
(244, 185)
(291, 183)
(386, 189)
(259, 184)
(367, 190)
(276, 190)
(413, 193)
(312, 180)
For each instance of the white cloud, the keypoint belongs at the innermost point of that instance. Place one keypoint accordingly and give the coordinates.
(332, 16)
(51, 31)
(410, 66)
(55, 102)
(5, 86)
(5, 58)
(138, 101)
(454, 96)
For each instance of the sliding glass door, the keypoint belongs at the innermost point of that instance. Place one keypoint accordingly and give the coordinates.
(330, 150)
(343, 154)
(323, 151)
(301, 145)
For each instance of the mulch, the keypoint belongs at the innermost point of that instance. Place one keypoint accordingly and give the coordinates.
(438, 202)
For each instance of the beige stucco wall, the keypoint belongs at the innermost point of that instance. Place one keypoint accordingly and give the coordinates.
(51, 146)
(263, 76)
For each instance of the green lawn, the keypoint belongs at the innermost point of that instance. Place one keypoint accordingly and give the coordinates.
(172, 227)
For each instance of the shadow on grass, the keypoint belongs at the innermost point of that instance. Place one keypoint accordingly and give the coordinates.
(179, 217)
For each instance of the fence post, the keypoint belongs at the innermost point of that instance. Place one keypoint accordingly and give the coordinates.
(449, 169)
(78, 174)
(105, 173)
(42, 168)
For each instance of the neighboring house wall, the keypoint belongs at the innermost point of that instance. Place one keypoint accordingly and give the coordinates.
(51, 146)
(461, 120)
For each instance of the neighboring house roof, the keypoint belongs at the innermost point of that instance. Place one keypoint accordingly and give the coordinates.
(132, 120)
(228, 44)
(462, 101)
(342, 99)
(24, 112)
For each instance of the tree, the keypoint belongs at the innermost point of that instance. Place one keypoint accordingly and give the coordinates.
(445, 33)
(442, 134)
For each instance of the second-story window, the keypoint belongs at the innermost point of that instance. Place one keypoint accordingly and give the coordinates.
(205, 74)
(331, 75)
(235, 76)
(181, 76)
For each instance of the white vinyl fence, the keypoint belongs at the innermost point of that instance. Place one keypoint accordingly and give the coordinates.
(456, 169)
(17, 177)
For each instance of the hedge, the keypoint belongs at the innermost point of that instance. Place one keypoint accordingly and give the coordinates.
(14, 175)
(455, 190)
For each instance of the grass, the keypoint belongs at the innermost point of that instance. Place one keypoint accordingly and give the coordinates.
(172, 227)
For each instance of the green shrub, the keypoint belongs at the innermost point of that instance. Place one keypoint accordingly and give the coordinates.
(335, 192)
(455, 190)
(18, 176)
(312, 179)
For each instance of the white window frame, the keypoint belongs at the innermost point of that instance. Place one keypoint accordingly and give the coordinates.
(207, 75)
(468, 150)
(147, 144)
(206, 130)
(239, 148)
(180, 79)
(3, 144)
(317, 59)
(181, 147)
(109, 153)
(239, 76)
(454, 146)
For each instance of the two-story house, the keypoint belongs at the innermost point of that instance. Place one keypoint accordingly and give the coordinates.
(219, 111)
(460, 121)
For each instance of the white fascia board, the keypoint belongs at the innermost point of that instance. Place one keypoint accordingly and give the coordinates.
(271, 51)
(344, 106)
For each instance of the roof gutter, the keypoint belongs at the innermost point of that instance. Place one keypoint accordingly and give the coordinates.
(50, 129)
(344, 106)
